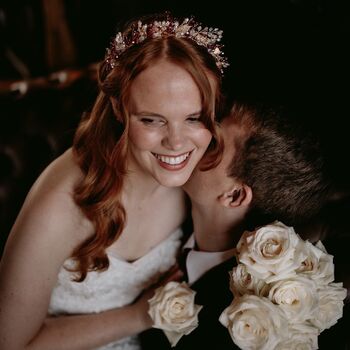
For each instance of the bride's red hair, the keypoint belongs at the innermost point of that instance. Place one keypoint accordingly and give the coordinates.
(101, 141)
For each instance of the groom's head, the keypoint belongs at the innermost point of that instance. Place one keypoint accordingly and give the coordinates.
(270, 163)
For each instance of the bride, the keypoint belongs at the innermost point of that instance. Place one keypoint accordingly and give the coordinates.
(102, 222)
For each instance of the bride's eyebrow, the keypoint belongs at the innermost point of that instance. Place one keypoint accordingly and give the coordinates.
(196, 114)
(191, 115)
(148, 114)
(157, 115)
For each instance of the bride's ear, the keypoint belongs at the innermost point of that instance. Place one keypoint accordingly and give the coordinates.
(238, 195)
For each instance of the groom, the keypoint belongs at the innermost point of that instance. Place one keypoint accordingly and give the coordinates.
(271, 169)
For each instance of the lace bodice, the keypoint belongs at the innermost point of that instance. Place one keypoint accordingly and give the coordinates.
(119, 285)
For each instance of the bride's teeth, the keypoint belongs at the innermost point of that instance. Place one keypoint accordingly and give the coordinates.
(172, 160)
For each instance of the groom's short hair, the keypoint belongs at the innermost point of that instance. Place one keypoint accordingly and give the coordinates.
(280, 160)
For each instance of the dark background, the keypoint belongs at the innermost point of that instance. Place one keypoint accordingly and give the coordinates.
(294, 52)
(289, 51)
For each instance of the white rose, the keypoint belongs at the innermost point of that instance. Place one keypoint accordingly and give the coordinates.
(173, 310)
(301, 337)
(318, 263)
(272, 252)
(297, 297)
(330, 306)
(242, 282)
(254, 323)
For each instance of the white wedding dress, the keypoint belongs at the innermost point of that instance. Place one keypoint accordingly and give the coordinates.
(118, 286)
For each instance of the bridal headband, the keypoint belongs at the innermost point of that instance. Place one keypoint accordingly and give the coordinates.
(189, 28)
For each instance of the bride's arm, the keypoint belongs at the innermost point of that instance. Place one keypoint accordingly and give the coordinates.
(92, 330)
(23, 324)
(46, 231)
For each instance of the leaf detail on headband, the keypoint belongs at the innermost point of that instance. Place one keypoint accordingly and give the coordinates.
(189, 28)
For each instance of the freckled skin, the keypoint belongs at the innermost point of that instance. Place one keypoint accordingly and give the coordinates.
(165, 107)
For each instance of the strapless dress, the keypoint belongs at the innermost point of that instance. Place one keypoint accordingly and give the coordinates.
(118, 286)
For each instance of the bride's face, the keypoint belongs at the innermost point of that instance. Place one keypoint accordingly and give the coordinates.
(166, 136)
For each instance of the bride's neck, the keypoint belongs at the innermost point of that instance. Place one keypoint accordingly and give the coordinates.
(141, 186)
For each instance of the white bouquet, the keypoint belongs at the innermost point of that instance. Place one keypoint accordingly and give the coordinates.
(284, 294)
(173, 310)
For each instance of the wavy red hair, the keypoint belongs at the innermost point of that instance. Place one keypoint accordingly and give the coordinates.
(101, 141)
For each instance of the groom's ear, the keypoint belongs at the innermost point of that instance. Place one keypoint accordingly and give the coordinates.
(238, 195)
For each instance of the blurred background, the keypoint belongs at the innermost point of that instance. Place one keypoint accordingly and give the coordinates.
(289, 51)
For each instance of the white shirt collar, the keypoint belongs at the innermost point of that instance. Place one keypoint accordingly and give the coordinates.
(198, 262)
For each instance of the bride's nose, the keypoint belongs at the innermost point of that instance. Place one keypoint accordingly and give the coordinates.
(174, 138)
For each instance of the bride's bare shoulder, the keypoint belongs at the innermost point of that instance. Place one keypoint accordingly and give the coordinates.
(62, 173)
(51, 198)
(50, 220)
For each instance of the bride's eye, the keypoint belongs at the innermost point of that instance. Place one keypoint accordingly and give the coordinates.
(194, 119)
(152, 121)
(147, 120)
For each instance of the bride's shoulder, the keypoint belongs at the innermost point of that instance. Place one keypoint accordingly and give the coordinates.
(52, 194)
(60, 176)
(49, 217)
